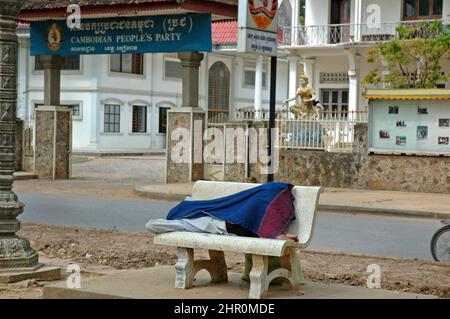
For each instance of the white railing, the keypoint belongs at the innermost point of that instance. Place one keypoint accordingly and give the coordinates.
(247, 114)
(331, 132)
(322, 35)
(218, 116)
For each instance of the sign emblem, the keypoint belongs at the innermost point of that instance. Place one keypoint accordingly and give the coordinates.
(54, 37)
(263, 12)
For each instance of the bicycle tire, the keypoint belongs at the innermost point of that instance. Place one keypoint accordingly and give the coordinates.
(435, 239)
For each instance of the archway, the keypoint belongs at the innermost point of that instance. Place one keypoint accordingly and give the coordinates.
(219, 93)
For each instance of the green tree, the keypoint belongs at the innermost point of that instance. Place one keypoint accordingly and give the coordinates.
(413, 59)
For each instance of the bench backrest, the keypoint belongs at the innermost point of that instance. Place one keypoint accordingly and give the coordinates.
(306, 203)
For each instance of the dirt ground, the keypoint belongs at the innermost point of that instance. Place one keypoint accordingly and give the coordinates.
(99, 251)
(102, 251)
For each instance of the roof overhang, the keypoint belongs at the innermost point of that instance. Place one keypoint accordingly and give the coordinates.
(407, 94)
(219, 11)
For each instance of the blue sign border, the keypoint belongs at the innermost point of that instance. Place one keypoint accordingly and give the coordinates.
(122, 35)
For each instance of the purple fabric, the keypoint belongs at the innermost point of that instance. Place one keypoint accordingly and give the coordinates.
(278, 215)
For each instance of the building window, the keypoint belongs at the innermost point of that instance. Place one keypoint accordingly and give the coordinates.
(334, 100)
(139, 119)
(112, 118)
(163, 120)
(423, 9)
(172, 69)
(127, 63)
(250, 77)
(69, 63)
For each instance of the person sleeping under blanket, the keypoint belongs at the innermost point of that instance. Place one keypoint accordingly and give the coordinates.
(264, 211)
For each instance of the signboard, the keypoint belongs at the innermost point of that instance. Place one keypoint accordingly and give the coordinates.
(410, 127)
(258, 27)
(122, 35)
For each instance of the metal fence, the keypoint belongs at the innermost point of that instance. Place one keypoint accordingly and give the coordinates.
(320, 35)
(332, 131)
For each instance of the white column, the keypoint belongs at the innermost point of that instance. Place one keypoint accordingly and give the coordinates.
(295, 21)
(309, 65)
(234, 80)
(96, 107)
(258, 85)
(353, 93)
(294, 62)
(358, 20)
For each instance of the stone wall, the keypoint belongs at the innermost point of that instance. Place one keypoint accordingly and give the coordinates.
(360, 170)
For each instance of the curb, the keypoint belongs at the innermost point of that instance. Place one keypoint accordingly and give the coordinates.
(383, 211)
(323, 207)
(160, 195)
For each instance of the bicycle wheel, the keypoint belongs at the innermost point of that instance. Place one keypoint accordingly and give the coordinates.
(440, 245)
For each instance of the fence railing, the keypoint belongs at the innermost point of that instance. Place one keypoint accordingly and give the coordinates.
(320, 35)
(218, 116)
(246, 114)
(332, 131)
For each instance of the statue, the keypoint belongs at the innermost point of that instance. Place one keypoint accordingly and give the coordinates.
(309, 107)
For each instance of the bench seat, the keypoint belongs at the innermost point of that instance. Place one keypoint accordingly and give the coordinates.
(256, 250)
(245, 245)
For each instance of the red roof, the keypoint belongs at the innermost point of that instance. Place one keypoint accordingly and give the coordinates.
(225, 32)
(56, 9)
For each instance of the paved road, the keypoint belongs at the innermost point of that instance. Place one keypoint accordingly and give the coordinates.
(374, 235)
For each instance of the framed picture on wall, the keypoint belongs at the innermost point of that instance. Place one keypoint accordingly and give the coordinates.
(422, 132)
(385, 134)
(401, 140)
(394, 109)
(443, 140)
(444, 122)
(422, 110)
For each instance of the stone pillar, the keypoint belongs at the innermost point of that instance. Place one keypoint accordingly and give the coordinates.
(258, 86)
(53, 126)
(52, 79)
(185, 127)
(16, 253)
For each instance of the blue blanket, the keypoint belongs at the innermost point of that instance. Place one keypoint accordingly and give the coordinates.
(265, 210)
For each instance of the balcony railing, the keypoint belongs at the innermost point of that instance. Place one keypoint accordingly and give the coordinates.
(324, 35)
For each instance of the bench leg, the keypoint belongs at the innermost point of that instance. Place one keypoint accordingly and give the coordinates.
(291, 262)
(185, 269)
(218, 269)
(258, 275)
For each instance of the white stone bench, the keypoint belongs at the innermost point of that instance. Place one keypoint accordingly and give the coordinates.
(306, 203)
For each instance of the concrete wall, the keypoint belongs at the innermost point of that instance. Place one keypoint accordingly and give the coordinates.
(358, 169)
(391, 11)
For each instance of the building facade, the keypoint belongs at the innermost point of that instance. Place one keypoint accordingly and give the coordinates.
(120, 102)
(330, 39)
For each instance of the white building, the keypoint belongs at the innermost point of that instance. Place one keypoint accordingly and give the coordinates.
(120, 102)
(331, 38)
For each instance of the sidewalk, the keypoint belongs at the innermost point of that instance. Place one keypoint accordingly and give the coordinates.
(342, 200)
(158, 283)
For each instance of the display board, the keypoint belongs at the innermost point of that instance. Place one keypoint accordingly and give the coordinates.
(166, 33)
(409, 127)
